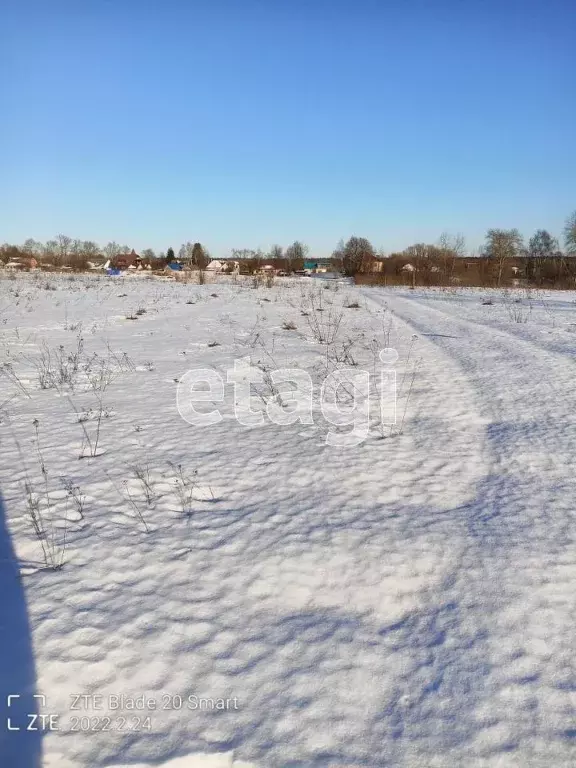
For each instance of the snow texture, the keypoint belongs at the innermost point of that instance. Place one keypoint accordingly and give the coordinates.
(406, 602)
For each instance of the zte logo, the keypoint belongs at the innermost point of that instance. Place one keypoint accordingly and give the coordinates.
(34, 721)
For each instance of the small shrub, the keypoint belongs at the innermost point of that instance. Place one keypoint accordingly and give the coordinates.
(184, 487)
(324, 328)
(141, 473)
(52, 539)
(75, 494)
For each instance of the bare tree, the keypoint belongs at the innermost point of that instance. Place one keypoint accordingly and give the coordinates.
(64, 248)
(194, 254)
(541, 247)
(32, 247)
(276, 253)
(501, 246)
(338, 256)
(199, 256)
(184, 253)
(450, 248)
(296, 254)
(81, 251)
(358, 256)
(50, 251)
(420, 251)
(570, 234)
(459, 245)
(455, 244)
(90, 249)
(245, 254)
(111, 250)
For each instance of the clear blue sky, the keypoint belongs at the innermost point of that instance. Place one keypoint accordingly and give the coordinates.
(247, 122)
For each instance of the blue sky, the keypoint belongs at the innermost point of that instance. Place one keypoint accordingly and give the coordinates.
(245, 123)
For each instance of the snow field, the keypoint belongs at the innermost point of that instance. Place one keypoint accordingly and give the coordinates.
(405, 602)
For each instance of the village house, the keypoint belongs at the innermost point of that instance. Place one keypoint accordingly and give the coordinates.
(126, 260)
(318, 266)
(216, 266)
(22, 263)
(223, 266)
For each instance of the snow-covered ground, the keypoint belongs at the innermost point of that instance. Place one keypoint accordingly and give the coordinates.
(270, 599)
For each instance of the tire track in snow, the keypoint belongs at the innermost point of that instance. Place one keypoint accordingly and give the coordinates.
(522, 331)
(435, 714)
(515, 586)
(531, 412)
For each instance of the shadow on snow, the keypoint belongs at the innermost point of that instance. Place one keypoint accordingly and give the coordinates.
(18, 748)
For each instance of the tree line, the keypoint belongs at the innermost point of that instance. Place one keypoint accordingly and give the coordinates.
(503, 257)
(65, 251)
